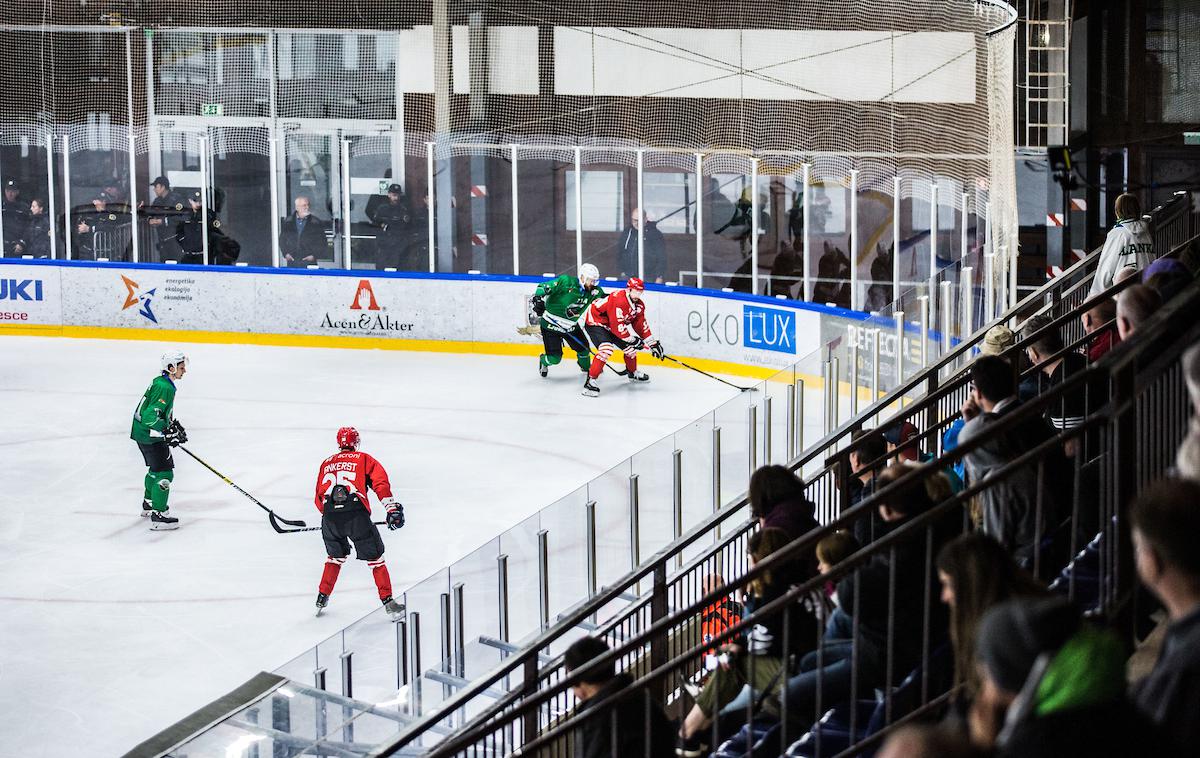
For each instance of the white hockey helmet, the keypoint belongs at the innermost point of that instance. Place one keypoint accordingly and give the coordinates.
(589, 275)
(173, 357)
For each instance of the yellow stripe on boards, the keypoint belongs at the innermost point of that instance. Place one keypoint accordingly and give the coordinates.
(359, 343)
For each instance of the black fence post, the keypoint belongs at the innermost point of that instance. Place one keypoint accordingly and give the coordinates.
(659, 653)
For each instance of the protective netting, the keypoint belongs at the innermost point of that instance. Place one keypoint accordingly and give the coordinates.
(920, 90)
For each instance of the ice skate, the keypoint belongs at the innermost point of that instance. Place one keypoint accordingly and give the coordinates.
(163, 520)
(638, 376)
(590, 388)
(322, 601)
(394, 610)
(147, 509)
(543, 369)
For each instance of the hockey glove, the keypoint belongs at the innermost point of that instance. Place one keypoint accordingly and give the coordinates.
(539, 305)
(176, 435)
(635, 342)
(395, 514)
(657, 350)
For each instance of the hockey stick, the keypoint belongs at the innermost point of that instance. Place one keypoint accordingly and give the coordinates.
(710, 376)
(317, 528)
(273, 518)
(575, 345)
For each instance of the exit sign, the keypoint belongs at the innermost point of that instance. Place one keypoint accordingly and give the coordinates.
(212, 109)
(1191, 138)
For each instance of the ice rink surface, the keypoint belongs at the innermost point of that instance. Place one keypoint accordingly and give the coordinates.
(110, 632)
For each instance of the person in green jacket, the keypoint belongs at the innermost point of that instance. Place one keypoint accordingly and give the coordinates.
(156, 431)
(558, 304)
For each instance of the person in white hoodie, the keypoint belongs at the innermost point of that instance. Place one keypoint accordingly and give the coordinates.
(1128, 244)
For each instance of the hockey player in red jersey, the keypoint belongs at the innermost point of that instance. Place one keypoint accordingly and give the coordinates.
(341, 497)
(618, 322)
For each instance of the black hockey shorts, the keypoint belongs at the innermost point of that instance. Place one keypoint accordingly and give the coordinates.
(340, 529)
(157, 456)
(553, 340)
(600, 335)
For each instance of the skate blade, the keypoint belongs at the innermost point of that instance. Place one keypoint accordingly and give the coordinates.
(590, 393)
(319, 612)
(163, 527)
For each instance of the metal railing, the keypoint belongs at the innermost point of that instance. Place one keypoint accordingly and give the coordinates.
(1134, 435)
(1062, 298)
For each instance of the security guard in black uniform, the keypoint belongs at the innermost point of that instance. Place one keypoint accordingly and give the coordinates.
(395, 219)
(163, 213)
(190, 234)
(96, 231)
(15, 216)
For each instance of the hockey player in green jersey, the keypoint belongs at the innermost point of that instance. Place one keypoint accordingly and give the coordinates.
(156, 431)
(558, 305)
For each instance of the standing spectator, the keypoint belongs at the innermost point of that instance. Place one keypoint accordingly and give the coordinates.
(1166, 530)
(1128, 245)
(654, 249)
(976, 573)
(626, 719)
(302, 237)
(37, 231)
(164, 211)
(15, 218)
(1010, 507)
(1053, 686)
(1095, 320)
(395, 219)
(1134, 305)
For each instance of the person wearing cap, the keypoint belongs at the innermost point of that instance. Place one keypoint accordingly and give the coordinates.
(1053, 685)
(164, 211)
(190, 235)
(15, 218)
(302, 239)
(96, 230)
(394, 246)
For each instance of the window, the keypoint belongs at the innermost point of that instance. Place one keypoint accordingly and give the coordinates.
(603, 201)
(668, 198)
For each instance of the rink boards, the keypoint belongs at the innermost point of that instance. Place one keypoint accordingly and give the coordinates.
(720, 331)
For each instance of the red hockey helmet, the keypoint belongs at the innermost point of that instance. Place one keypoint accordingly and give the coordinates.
(347, 438)
(635, 284)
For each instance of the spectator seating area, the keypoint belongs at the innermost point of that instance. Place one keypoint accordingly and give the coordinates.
(987, 584)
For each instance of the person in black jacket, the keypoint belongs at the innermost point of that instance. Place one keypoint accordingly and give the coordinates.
(302, 237)
(593, 738)
(189, 233)
(654, 249)
(37, 231)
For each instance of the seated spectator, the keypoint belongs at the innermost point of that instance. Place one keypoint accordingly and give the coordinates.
(1053, 686)
(997, 340)
(1126, 273)
(1134, 305)
(777, 500)
(868, 446)
(1056, 367)
(898, 576)
(626, 719)
(1094, 321)
(1167, 277)
(976, 573)
(903, 439)
(832, 550)
(1166, 531)
(720, 614)
(1128, 245)
(756, 658)
(1010, 507)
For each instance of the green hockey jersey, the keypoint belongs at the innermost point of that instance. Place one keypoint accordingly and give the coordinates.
(566, 298)
(155, 411)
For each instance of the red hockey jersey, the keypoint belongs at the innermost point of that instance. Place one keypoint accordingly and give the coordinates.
(358, 471)
(623, 317)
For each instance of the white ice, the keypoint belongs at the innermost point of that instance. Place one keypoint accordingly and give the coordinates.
(110, 632)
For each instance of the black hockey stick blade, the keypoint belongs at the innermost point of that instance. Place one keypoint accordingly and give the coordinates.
(276, 520)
